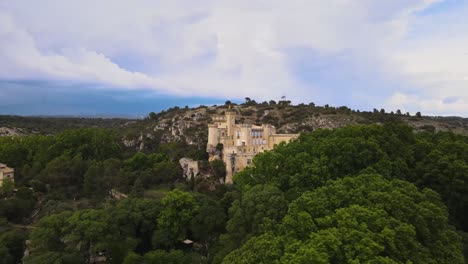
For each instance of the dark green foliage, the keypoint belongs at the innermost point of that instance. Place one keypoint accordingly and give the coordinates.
(209, 220)
(361, 219)
(89, 143)
(173, 222)
(51, 125)
(436, 161)
(153, 116)
(331, 196)
(18, 207)
(218, 168)
(159, 257)
(12, 246)
(219, 147)
(247, 112)
(259, 206)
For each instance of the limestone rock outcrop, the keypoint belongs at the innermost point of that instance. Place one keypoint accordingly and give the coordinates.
(190, 168)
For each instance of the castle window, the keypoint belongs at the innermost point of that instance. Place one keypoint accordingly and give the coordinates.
(249, 161)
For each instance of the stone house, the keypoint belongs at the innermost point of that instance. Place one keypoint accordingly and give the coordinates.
(6, 173)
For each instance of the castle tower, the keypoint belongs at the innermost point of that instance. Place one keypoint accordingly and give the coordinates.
(230, 125)
(213, 136)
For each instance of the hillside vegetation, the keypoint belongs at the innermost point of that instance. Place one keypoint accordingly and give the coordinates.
(351, 193)
(189, 125)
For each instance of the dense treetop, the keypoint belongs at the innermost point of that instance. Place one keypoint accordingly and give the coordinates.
(359, 194)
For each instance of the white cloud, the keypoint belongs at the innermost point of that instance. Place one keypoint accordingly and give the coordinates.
(236, 48)
(22, 59)
(429, 106)
(434, 61)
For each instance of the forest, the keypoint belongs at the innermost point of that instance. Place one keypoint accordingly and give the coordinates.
(358, 194)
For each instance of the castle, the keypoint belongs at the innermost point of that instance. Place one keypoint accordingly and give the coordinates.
(240, 142)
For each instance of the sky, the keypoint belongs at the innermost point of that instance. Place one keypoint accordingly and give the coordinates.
(116, 57)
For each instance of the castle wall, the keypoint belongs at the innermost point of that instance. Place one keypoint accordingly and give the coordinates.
(236, 162)
(278, 138)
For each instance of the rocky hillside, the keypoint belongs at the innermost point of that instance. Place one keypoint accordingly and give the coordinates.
(190, 125)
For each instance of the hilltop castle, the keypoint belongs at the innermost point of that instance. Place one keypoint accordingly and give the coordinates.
(240, 142)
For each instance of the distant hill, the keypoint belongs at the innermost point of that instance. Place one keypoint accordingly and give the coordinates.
(23, 125)
(190, 124)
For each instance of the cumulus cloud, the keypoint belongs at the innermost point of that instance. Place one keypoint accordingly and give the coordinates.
(398, 56)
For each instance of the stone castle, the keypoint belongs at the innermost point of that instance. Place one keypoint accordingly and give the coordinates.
(240, 142)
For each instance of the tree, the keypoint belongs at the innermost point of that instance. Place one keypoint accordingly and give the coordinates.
(65, 174)
(137, 189)
(165, 171)
(209, 221)
(266, 248)
(259, 204)
(133, 258)
(5, 257)
(12, 246)
(7, 187)
(95, 183)
(153, 116)
(218, 168)
(418, 115)
(135, 218)
(164, 257)
(359, 219)
(49, 234)
(88, 231)
(219, 147)
(173, 222)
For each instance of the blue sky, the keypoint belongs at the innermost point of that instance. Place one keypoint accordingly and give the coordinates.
(132, 57)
